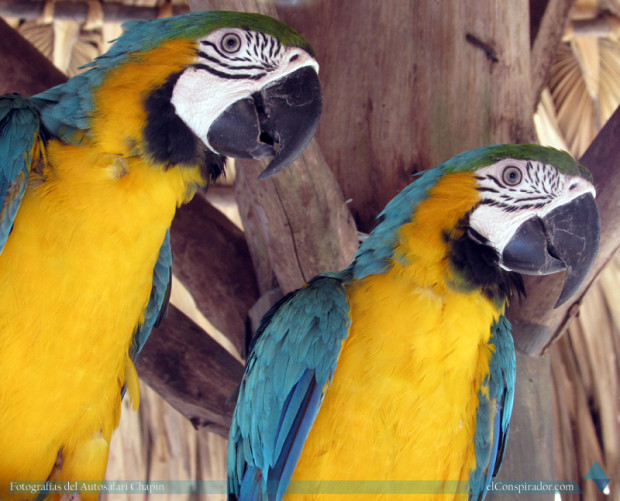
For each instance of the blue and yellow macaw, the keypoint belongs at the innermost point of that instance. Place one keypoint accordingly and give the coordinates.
(91, 173)
(397, 374)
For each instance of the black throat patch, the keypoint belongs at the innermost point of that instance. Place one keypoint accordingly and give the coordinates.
(170, 141)
(476, 264)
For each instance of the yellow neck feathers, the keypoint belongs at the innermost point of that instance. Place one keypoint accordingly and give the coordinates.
(421, 252)
(119, 115)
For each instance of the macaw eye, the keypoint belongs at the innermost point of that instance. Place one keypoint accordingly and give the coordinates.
(512, 175)
(230, 43)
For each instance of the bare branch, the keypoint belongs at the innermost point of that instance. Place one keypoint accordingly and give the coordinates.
(191, 371)
(212, 260)
(296, 220)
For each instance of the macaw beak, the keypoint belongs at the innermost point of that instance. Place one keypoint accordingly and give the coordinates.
(565, 239)
(278, 121)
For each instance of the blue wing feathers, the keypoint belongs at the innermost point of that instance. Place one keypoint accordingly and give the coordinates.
(508, 367)
(251, 486)
(293, 403)
(292, 430)
(308, 408)
(282, 389)
(494, 411)
(504, 415)
(19, 133)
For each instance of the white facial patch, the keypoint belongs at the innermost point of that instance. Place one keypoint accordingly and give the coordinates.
(513, 191)
(232, 64)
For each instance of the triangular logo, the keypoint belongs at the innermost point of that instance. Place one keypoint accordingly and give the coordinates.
(597, 475)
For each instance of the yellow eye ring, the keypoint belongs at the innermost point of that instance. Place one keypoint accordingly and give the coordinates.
(512, 175)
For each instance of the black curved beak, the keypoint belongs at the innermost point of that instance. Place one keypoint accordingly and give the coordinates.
(279, 122)
(565, 239)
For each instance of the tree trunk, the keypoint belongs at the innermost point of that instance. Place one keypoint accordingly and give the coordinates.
(409, 84)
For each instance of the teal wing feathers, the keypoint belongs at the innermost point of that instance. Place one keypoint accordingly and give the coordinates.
(19, 134)
(158, 300)
(292, 359)
(65, 108)
(494, 411)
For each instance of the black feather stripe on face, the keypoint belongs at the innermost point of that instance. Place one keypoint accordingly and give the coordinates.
(476, 264)
(170, 141)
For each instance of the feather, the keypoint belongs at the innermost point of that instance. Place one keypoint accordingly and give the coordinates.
(282, 393)
(494, 410)
(19, 150)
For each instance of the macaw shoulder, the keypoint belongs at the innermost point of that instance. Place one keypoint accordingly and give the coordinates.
(290, 371)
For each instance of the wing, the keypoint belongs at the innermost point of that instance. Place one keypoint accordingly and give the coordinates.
(20, 149)
(494, 411)
(292, 360)
(158, 301)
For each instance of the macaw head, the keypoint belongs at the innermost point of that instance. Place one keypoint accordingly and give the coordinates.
(486, 216)
(536, 211)
(216, 83)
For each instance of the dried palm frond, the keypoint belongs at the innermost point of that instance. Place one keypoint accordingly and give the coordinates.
(39, 35)
(64, 43)
(546, 123)
(586, 379)
(585, 88)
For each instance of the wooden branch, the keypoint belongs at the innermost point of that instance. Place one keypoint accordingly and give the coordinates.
(535, 323)
(547, 30)
(78, 11)
(23, 69)
(191, 371)
(296, 221)
(530, 443)
(606, 25)
(212, 260)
